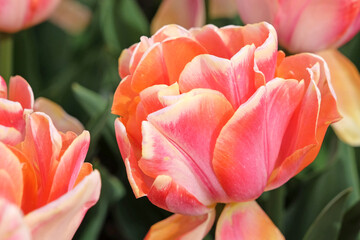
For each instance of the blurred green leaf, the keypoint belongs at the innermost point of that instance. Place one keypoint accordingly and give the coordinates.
(111, 192)
(350, 228)
(327, 224)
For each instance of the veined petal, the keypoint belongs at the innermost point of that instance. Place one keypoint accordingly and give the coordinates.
(69, 166)
(62, 121)
(11, 177)
(234, 78)
(61, 218)
(171, 196)
(248, 145)
(246, 220)
(20, 91)
(12, 224)
(182, 227)
(171, 147)
(346, 82)
(140, 183)
(187, 13)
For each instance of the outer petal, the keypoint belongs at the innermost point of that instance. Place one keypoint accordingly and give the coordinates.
(182, 227)
(235, 79)
(11, 178)
(12, 15)
(12, 124)
(171, 147)
(240, 221)
(12, 224)
(61, 218)
(62, 121)
(187, 13)
(346, 82)
(69, 166)
(20, 91)
(248, 145)
(140, 183)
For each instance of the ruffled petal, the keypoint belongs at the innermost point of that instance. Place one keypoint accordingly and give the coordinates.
(12, 123)
(187, 13)
(62, 121)
(182, 227)
(241, 221)
(248, 145)
(171, 146)
(61, 218)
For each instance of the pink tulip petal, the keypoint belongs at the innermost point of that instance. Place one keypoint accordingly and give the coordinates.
(295, 23)
(222, 8)
(346, 82)
(124, 61)
(20, 91)
(235, 78)
(170, 31)
(254, 135)
(240, 221)
(140, 183)
(73, 158)
(3, 88)
(165, 193)
(39, 11)
(42, 144)
(62, 121)
(62, 217)
(182, 227)
(179, 152)
(12, 224)
(11, 178)
(187, 13)
(9, 21)
(257, 10)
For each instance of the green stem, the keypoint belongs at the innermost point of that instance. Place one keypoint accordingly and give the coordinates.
(6, 56)
(276, 206)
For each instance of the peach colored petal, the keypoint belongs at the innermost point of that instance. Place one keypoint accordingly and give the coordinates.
(85, 170)
(187, 13)
(3, 88)
(165, 193)
(42, 144)
(171, 147)
(139, 182)
(240, 221)
(248, 145)
(346, 82)
(20, 91)
(12, 224)
(73, 158)
(61, 218)
(234, 78)
(11, 122)
(222, 8)
(62, 121)
(182, 227)
(170, 31)
(124, 61)
(11, 177)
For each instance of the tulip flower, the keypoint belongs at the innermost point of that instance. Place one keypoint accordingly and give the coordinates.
(46, 186)
(306, 25)
(21, 14)
(218, 115)
(190, 13)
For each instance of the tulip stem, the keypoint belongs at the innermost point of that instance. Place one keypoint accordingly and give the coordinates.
(276, 206)
(6, 56)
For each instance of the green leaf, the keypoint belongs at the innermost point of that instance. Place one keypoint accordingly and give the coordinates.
(327, 225)
(91, 101)
(350, 228)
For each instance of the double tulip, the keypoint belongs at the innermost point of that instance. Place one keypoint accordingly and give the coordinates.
(46, 188)
(218, 115)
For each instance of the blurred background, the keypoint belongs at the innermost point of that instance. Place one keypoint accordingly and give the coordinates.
(79, 70)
